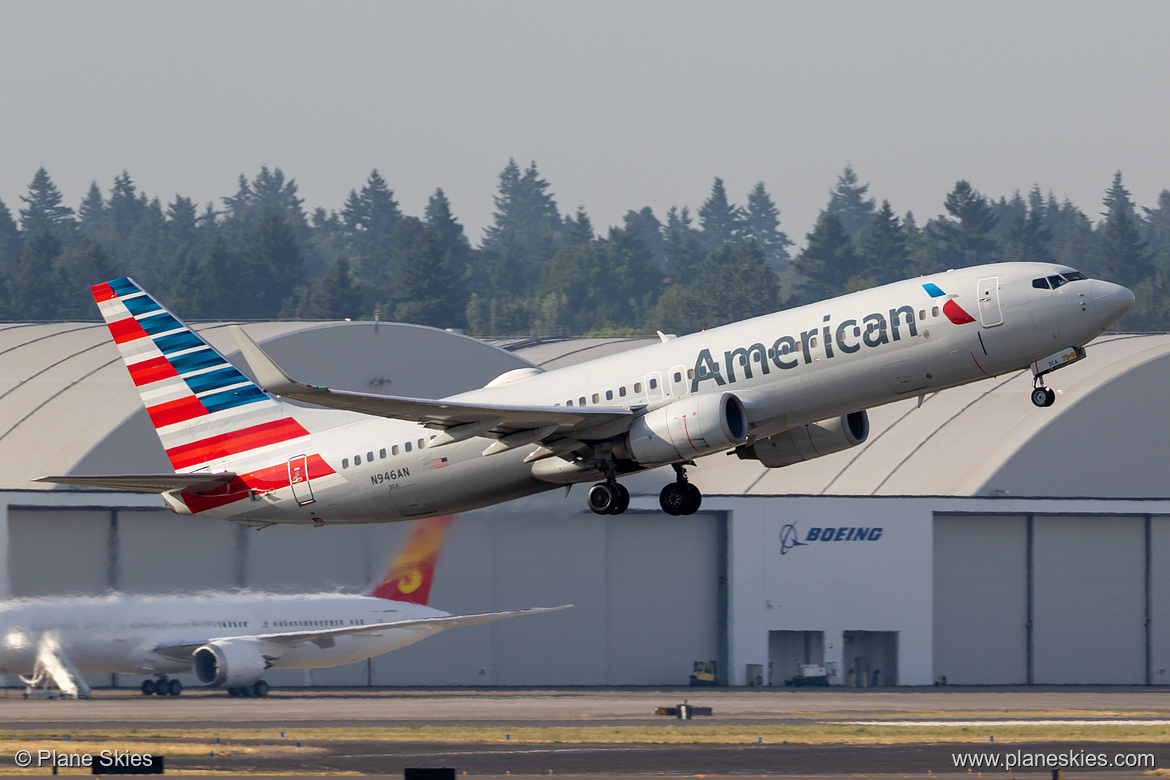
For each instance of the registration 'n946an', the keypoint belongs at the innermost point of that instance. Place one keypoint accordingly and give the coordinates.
(393, 475)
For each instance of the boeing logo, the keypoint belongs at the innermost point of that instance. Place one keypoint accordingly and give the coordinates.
(790, 537)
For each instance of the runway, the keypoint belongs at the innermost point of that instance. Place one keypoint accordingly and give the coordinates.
(292, 710)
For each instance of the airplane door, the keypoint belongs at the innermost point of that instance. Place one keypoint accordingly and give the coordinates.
(679, 386)
(654, 391)
(990, 313)
(298, 478)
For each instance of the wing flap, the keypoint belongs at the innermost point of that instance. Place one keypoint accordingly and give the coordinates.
(148, 483)
(439, 414)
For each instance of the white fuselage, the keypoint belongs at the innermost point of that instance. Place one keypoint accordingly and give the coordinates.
(120, 633)
(789, 368)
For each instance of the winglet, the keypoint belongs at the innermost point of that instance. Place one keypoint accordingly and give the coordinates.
(270, 376)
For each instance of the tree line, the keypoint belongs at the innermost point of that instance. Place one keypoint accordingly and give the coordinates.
(259, 254)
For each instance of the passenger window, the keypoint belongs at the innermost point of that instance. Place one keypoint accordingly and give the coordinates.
(382, 453)
(622, 391)
(934, 311)
(407, 446)
(678, 376)
(370, 456)
(357, 460)
(394, 450)
(653, 384)
(596, 398)
(922, 314)
(422, 443)
(637, 387)
(794, 349)
(1040, 284)
(690, 373)
(345, 463)
(812, 343)
(609, 395)
(581, 401)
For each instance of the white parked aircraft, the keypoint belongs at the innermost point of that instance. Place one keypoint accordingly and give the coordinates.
(780, 388)
(228, 640)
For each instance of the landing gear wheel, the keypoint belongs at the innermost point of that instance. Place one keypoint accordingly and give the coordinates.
(623, 499)
(694, 499)
(148, 687)
(1043, 396)
(233, 692)
(673, 499)
(602, 498)
(259, 689)
(174, 687)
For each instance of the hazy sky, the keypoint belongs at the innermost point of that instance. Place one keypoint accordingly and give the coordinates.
(621, 104)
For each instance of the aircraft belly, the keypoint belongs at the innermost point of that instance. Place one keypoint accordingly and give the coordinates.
(348, 649)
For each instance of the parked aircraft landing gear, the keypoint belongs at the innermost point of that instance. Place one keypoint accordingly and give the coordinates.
(162, 687)
(259, 689)
(680, 497)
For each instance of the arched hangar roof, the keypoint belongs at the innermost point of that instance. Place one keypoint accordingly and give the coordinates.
(67, 405)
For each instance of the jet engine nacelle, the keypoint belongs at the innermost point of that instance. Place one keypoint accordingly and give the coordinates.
(683, 429)
(809, 441)
(228, 663)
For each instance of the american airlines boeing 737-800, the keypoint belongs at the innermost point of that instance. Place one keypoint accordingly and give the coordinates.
(228, 640)
(778, 389)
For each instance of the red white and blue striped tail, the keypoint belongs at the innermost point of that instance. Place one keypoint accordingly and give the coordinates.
(207, 413)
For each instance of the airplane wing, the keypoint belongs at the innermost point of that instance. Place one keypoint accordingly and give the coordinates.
(148, 483)
(324, 637)
(505, 419)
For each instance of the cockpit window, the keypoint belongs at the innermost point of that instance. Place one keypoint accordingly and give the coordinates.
(1057, 281)
(1041, 284)
(1075, 276)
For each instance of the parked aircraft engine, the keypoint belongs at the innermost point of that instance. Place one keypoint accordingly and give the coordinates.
(809, 441)
(693, 426)
(230, 664)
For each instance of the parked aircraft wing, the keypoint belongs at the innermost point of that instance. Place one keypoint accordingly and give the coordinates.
(437, 414)
(148, 483)
(324, 636)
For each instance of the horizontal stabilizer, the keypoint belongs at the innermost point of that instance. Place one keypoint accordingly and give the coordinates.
(438, 414)
(148, 483)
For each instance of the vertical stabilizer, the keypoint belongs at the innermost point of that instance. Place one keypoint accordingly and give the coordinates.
(413, 569)
(204, 409)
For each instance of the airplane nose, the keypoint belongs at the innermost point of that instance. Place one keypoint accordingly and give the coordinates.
(1110, 301)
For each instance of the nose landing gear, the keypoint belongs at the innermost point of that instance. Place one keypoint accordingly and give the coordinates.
(1043, 396)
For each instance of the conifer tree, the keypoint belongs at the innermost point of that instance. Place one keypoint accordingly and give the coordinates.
(578, 228)
(683, 247)
(883, 249)
(91, 214)
(719, 219)
(847, 202)
(828, 261)
(649, 230)
(966, 236)
(10, 240)
(43, 210)
(32, 283)
(761, 223)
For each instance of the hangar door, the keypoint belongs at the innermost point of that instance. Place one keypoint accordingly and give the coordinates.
(1047, 599)
(980, 599)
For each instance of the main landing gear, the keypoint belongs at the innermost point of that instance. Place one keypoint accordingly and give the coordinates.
(162, 687)
(680, 497)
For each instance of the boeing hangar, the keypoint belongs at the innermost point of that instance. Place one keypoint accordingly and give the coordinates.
(972, 538)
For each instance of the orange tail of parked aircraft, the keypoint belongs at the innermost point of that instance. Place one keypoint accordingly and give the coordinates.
(412, 571)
